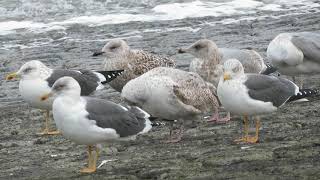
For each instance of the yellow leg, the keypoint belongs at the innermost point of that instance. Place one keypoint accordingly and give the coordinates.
(246, 130)
(91, 162)
(46, 130)
(246, 138)
(96, 158)
(255, 138)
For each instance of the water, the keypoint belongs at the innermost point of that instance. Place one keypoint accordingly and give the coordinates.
(48, 15)
(33, 23)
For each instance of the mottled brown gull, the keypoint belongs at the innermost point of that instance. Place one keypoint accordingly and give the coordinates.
(209, 59)
(171, 94)
(295, 54)
(134, 62)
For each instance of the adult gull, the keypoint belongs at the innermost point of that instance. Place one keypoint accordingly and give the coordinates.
(37, 79)
(295, 54)
(92, 121)
(252, 94)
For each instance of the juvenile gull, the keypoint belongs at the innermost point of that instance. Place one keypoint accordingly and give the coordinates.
(37, 79)
(171, 94)
(295, 53)
(209, 59)
(92, 121)
(134, 62)
(252, 94)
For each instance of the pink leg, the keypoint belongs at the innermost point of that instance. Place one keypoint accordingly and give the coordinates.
(177, 135)
(216, 118)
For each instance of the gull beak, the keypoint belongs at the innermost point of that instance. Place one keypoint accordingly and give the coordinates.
(182, 50)
(46, 96)
(11, 76)
(97, 53)
(226, 76)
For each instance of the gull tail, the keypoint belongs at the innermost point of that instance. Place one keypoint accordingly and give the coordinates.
(108, 76)
(270, 69)
(304, 93)
(143, 117)
(155, 121)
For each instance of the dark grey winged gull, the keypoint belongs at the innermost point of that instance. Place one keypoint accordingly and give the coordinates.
(295, 54)
(134, 62)
(209, 59)
(92, 121)
(252, 94)
(37, 79)
(172, 94)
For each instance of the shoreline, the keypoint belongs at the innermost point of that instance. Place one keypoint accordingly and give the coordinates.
(289, 146)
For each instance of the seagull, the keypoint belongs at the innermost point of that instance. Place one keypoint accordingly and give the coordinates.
(37, 79)
(172, 94)
(252, 94)
(92, 121)
(134, 62)
(209, 59)
(295, 54)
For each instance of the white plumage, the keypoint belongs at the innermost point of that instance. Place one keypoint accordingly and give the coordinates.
(252, 94)
(71, 119)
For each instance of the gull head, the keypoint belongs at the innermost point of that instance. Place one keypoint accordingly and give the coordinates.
(64, 86)
(202, 49)
(232, 69)
(115, 47)
(30, 70)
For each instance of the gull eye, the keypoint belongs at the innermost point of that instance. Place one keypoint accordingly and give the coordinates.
(197, 47)
(27, 70)
(235, 69)
(59, 87)
(114, 47)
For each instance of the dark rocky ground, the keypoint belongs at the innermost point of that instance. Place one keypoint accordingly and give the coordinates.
(289, 146)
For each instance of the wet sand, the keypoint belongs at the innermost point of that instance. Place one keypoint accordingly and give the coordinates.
(289, 145)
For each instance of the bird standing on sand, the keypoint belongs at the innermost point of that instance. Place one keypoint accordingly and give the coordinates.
(295, 54)
(252, 94)
(37, 79)
(134, 62)
(92, 121)
(172, 94)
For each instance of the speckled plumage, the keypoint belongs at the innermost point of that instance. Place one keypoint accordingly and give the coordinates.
(134, 62)
(171, 94)
(209, 60)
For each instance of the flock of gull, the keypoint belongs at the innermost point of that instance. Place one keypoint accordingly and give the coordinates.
(236, 81)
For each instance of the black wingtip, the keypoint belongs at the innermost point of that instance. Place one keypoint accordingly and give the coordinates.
(97, 53)
(304, 93)
(270, 69)
(155, 124)
(110, 75)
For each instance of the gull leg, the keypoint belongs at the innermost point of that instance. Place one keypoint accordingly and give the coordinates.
(178, 135)
(91, 162)
(255, 138)
(170, 133)
(301, 82)
(246, 130)
(247, 138)
(215, 117)
(46, 130)
(293, 79)
(94, 165)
